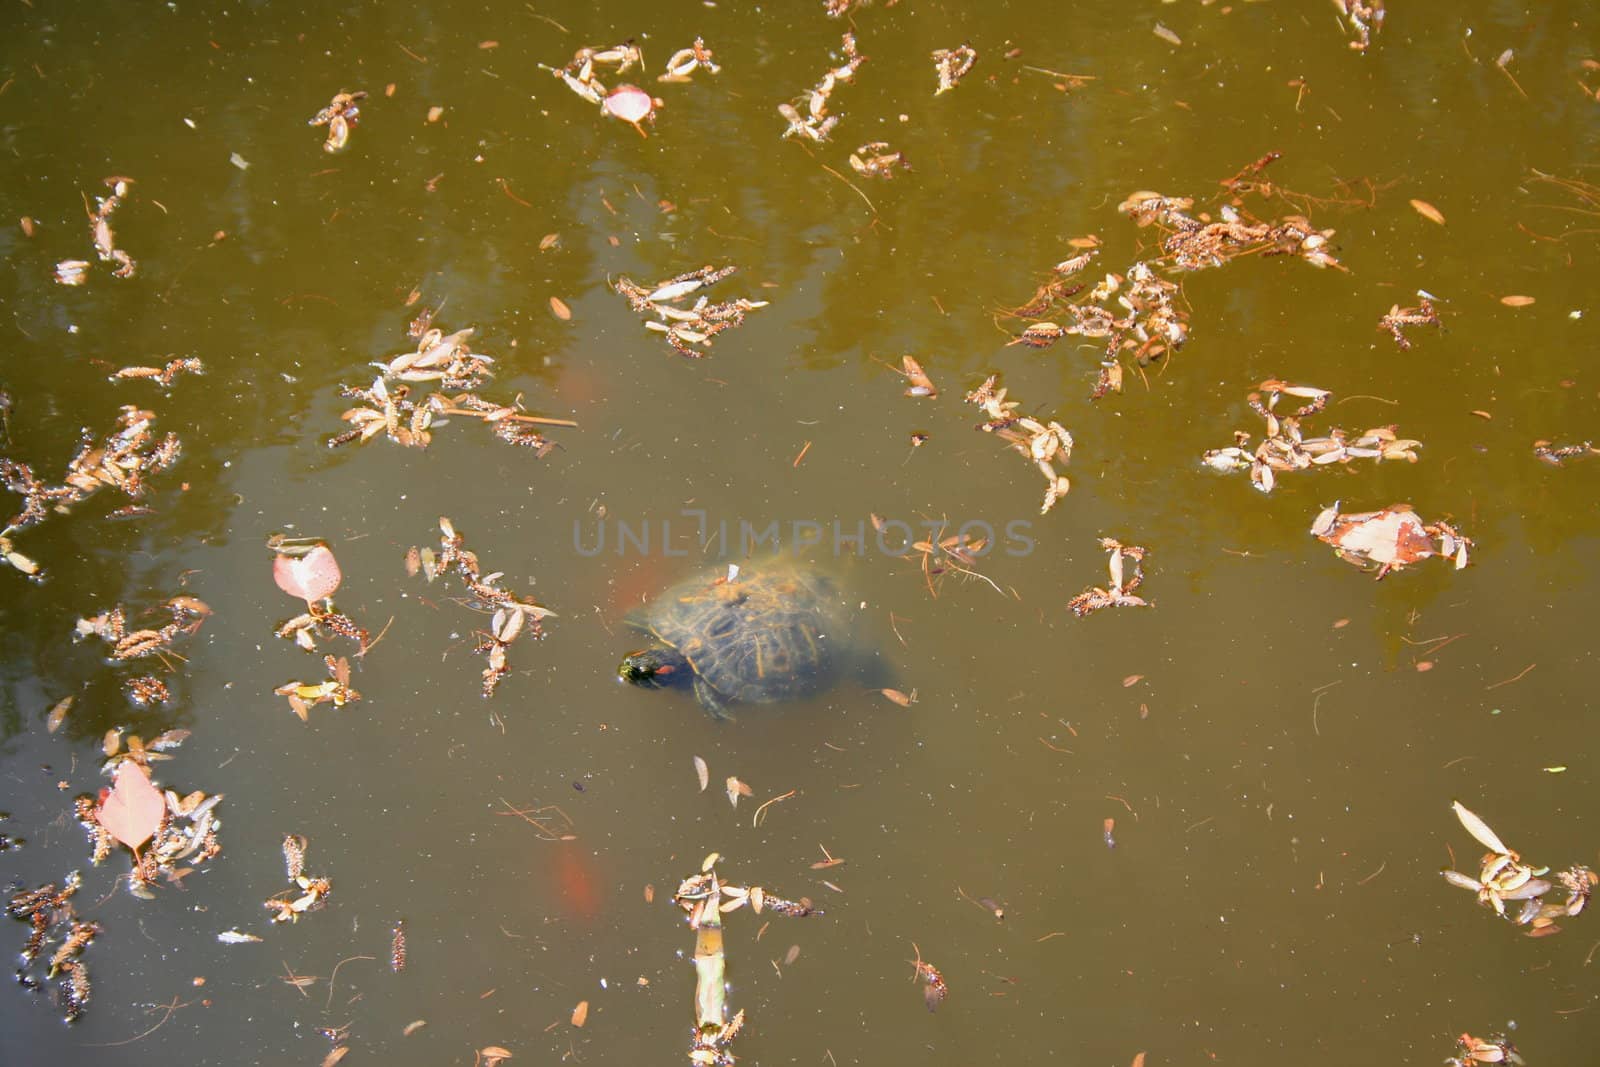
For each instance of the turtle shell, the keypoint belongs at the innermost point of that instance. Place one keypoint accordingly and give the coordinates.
(774, 633)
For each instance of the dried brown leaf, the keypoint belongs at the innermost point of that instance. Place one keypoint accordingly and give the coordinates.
(560, 309)
(737, 789)
(649, 893)
(549, 241)
(1132, 679)
(1516, 301)
(493, 1054)
(702, 772)
(435, 114)
(905, 700)
(335, 1056)
(580, 1014)
(1168, 36)
(413, 1026)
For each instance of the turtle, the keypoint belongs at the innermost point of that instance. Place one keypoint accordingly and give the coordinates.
(760, 635)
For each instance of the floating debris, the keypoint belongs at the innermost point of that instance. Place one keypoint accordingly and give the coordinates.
(438, 357)
(939, 555)
(632, 105)
(918, 384)
(1285, 449)
(147, 689)
(313, 892)
(685, 61)
(876, 159)
(705, 899)
(234, 937)
(163, 375)
(75, 271)
(952, 64)
(1503, 879)
(815, 124)
(1120, 592)
(26, 564)
(1364, 19)
(513, 616)
(697, 325)
(49, 910)
(447, 360)
(627, 102)
(1398, 318)
(294, 856)
(72, 271)
(179, 829)
(1043, 444)
(1555, 455)
(1391, 539)
(188, 615)
(1139, 314)
(934, 990)
(1194, 244)
(122, 461)
(335, 690)
(1151, 323)
(313, 896)
(305, 567)
(340, 116)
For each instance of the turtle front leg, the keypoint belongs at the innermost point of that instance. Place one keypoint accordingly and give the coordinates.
(710, 700)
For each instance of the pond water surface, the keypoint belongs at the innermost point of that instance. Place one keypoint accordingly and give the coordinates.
(1277, 736)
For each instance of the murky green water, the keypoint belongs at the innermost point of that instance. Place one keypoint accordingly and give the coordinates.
(1280, 782)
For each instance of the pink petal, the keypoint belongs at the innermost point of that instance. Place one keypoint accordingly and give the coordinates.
(132, 809)
(310, 577)
(628, 103)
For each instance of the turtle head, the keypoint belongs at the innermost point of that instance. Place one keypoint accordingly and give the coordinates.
(654, 667)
